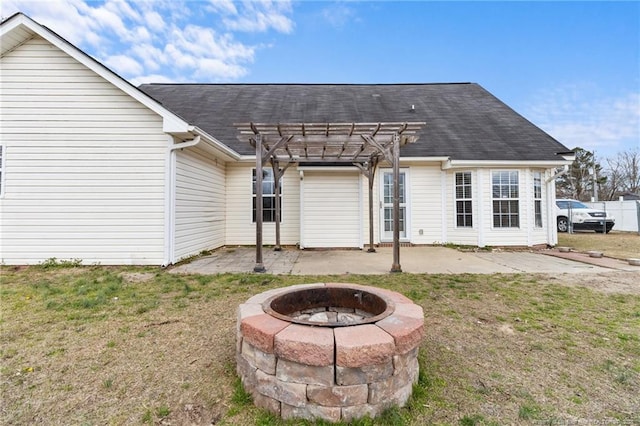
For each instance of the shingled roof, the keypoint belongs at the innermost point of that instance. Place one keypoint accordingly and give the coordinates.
(463, 120)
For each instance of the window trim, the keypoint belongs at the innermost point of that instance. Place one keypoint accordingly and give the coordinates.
(463, 199)
(510, 199)
(537, 201)
(253, 197)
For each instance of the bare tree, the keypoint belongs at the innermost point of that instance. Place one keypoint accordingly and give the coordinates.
(578, 182)
(623, 172)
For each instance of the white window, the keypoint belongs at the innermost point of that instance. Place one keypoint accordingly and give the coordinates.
(537, 198)
(506, 199)
(268, 196)
(464, 212)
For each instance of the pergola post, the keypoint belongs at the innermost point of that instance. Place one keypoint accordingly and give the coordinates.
(259, 264)
(371, 176)
(275, 165)
(395, 267)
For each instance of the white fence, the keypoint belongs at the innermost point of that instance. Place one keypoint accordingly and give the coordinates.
(626, 213)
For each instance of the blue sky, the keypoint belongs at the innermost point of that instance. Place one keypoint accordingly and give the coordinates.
(572, 68)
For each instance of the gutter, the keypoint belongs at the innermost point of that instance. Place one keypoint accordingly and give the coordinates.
(564, 170)
(186, 144)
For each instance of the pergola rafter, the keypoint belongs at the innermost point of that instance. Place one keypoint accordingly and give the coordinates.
(359, 144)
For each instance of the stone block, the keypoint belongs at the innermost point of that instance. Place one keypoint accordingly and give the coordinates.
(260, 331)
(364, 374)
(405, 361)
(290, 393)
(310, 412)
(270, 404)
(407, 332)
(262, 360)
(363, 345)
(402, 395)
(388, 392)
(410, 310)
(394, 296)
(247, 373)
(338, 396)
(360, 411)
(293, 372)
(306, 345)
(247, 310)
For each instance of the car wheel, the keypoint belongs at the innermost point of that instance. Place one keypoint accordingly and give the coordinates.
(563, 224)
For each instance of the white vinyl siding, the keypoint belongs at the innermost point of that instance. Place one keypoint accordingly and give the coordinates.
(332, 209)
(200, 202)
(240, 228)
(86, 165)
(425, 204)
(1, 170)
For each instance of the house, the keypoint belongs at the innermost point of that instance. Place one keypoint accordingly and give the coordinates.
(96, 169)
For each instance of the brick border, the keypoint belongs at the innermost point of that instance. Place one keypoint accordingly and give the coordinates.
(334, 374)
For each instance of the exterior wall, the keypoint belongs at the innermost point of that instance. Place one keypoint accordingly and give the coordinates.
(425, 184)
(200, 205)
(332, 209)
(84, 167)
(526, 234)
(240, 228)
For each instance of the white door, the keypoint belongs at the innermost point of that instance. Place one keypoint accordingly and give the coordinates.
(386, 205)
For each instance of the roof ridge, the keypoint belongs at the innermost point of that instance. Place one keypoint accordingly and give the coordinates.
(307, 84)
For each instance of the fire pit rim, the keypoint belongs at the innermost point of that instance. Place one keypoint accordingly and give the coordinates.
(390, 306)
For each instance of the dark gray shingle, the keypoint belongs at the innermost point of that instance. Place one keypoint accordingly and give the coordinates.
(464, 121)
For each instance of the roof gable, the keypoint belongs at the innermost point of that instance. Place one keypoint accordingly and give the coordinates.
(19, 28)
(463, 120)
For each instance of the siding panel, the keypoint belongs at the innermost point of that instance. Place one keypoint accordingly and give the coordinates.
(85, 164)
(200, 203)
(331, 209)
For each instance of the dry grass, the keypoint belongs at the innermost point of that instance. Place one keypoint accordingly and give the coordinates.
(98, 345)
(621, 245)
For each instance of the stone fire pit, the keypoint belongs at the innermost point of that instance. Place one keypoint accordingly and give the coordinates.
(329, 350)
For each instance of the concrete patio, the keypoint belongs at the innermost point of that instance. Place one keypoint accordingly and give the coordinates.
(430, 260)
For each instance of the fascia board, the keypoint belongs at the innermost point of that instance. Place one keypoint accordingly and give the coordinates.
(457, 164)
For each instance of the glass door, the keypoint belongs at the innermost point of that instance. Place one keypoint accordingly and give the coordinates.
(386, 206)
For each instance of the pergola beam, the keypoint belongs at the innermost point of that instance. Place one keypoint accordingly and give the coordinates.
(361, 144)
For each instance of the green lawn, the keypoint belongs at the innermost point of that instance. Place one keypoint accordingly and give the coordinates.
(124, 345)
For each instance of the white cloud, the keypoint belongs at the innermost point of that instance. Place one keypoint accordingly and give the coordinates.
(582, 116)
(174, 40)
(339, 15)
(223, 6)
(260, 16)
(124, 65)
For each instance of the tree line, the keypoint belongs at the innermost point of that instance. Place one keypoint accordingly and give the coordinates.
(614, 177)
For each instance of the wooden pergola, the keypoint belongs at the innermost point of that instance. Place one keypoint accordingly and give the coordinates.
(363, 145)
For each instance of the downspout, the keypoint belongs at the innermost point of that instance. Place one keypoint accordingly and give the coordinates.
(170, 193)
(551, 198)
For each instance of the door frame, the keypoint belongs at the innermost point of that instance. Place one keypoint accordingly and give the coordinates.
(407, 205)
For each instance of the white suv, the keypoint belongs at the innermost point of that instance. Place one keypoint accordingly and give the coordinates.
(582, 217)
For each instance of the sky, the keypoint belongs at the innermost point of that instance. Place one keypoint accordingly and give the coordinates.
(570, 67)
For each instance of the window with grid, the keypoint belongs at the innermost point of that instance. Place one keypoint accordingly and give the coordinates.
(268, 196)
(464, 212)
(537, 198)
(506, 199)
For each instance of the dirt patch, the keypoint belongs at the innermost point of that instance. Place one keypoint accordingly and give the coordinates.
(610, 282)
